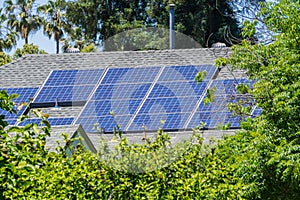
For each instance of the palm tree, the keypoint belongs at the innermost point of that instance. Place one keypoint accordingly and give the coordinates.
(21, 17)
(55, 22)
(8, 38)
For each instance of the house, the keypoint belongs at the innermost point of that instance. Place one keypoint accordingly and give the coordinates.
(91, 94)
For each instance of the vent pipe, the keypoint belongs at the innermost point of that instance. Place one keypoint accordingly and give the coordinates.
(172, 22)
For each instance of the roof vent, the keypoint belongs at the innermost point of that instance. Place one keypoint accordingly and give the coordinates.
(218, 45)
(72, 50)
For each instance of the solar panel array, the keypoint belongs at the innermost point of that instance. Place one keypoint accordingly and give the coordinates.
(136, 98)
(139, 98)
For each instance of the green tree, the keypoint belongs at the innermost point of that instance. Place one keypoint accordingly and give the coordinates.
(7, 36)
(212, 21)
(264, 156)
(28, 49)
(55, 23)
(4, 58)
(22, 17)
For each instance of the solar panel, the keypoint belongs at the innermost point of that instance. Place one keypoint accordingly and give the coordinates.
(216, 112)
(52, 121)
(178, 89)
(123, 91)
(74, 77)
(156, 121)
(212, 119)
(69, 85)
(256, 112)
(25, 95)
(118, 107)
(130, 75)
(107, 123)
(186, 73)
(64, 93)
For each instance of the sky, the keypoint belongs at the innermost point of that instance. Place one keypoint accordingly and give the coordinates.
(38, 38)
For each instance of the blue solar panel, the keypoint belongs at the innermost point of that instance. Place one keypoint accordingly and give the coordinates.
(108, 123)
(9, 115)
(74, 77)
(130, 75)
(212, 119)
(178, 89)
(186, 73)
(69, 85)
(153, 121)
(168, 105)
(64, 93)
(126, 91)
(228, 86)
(257, 111)
(52, 121)
(11, 121)
(25, 95)
(217, 111)
(102, 108)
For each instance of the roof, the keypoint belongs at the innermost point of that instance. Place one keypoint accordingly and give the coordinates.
(33, 70)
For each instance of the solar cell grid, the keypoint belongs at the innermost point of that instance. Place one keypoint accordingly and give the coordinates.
(229, 86)
(108, 123)
(155, 121)
(178, 89)
(118, 107)
(124, 91)
(257, 111)
(186, 73)
(74, 77)
(64, 93)
(52, 121)
(130, 75)
(212, 119)
(25, 94)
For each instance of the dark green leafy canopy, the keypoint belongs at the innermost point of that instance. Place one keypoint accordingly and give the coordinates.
(203, 20)
(266, 154)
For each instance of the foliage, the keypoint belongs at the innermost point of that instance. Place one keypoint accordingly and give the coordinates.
(202, 20)
(28, 49)
(265, 155)
(22, 17)
(7, 35)
(4, 58)
(261, 161)
(55, 23)
(88, 48)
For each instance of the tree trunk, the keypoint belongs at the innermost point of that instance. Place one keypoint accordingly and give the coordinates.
(57, 46)
(26, 40)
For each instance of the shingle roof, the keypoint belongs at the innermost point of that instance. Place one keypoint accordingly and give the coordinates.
(32, 71)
